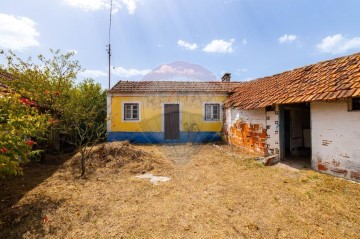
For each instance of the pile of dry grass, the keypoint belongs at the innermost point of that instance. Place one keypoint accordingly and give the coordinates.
(114, 156)
(117, 155)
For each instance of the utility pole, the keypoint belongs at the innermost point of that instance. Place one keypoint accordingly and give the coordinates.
(109, 45)
(109, 55)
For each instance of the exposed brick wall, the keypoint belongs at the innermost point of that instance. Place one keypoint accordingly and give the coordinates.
(249, 136)
(255, 130)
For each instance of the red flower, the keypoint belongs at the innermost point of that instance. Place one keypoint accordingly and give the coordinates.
(56, 93)
(51, 120)
(30, 143)
(26, 101)
(47, 92)
(3, 150)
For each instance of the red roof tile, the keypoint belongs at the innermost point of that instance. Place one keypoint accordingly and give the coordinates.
(173, 86)
(328, 80)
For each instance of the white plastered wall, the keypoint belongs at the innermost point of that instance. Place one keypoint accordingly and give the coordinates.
(253, 116)
(273, 132)
(108, 113)
(335, 133)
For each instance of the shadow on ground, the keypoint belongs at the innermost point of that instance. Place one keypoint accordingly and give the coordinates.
(295, 163)
(13, 189)
(30, 218)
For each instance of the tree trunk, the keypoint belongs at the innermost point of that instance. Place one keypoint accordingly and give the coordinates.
(82, 164)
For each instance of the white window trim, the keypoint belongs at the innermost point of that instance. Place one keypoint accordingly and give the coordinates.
(220, 112)
(163, 115)
(123, 111)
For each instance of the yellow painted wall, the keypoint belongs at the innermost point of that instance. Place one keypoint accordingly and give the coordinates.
(151, 113)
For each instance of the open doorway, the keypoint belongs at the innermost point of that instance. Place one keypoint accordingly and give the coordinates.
(296, 143)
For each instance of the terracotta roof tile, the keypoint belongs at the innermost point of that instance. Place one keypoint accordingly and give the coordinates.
(328, 80)
(173, 86)
(357, 93)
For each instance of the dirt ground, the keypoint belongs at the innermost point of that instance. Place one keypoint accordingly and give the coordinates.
(214, 192)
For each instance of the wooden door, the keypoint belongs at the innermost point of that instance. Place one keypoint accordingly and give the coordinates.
(172, 121)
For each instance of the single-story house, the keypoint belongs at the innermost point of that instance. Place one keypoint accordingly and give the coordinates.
(167, 111)
(311, 113)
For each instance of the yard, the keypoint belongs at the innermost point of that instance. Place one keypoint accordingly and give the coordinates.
(213, 192)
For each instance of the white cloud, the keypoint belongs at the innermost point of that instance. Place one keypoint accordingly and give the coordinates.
(92, 74)
(74, 51)
(123, 72)
(98, 5)
(187, 45)
(90, 5)
(287, 38)
(338, 44)
(117, 71)
(17, 33)
(167, 69)
(219, 46)
(244, 42)
(130, 5)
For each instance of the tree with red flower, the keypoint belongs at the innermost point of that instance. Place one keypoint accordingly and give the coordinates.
(19, 120)
(30, 142)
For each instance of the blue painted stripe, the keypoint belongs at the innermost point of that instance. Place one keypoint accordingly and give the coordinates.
(158, 137)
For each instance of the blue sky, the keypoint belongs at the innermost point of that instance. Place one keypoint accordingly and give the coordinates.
(249, 38)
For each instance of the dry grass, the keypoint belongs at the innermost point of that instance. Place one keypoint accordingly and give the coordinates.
(211, 194)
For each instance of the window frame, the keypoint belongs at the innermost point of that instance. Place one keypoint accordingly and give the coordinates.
(350, 104)
(124, 119)
(219, 105)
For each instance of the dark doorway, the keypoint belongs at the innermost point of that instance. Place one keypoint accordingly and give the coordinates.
(296, 143)
(172, 121)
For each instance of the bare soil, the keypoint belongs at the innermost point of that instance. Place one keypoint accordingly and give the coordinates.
(214, 192)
